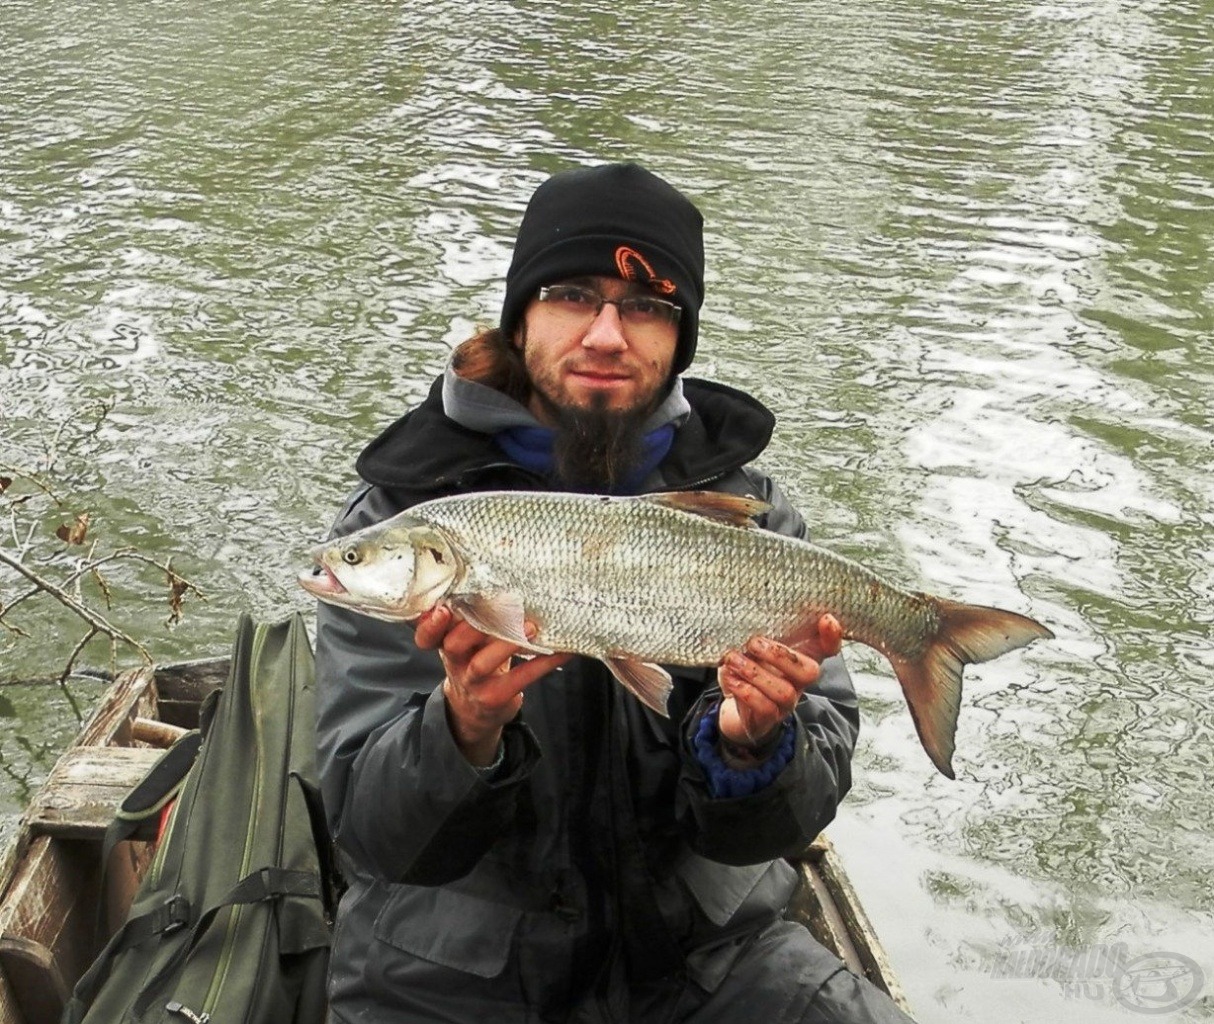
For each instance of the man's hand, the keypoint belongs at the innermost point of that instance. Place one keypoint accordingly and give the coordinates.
(764, 680)
(482, 689)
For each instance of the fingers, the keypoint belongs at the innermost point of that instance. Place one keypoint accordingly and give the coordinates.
(461, 643)
(483, 687)
(533, 670)
(763, 694)
(481, 672)
(824, 639)
(763, 682)
(756, 683)
(830, 636)
(747, 716)
(481, 655)
(772, 660)
(432, 627)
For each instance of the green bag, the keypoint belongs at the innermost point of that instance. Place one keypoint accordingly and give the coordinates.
(230, 923)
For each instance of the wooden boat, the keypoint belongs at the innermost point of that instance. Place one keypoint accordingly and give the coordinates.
(52, 896)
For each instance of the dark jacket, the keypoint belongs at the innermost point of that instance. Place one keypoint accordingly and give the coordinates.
(596, 851)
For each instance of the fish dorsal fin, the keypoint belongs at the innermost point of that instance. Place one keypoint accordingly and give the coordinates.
(723, 508)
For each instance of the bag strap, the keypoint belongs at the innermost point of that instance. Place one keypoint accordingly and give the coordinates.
(143, 805)
(174, 914)
(169, 916)
(161, 784)
(259, 886)
(332, 881)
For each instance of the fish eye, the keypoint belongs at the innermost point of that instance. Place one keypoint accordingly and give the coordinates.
(351, 556)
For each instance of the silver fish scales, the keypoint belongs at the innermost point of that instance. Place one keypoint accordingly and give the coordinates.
(675, 579)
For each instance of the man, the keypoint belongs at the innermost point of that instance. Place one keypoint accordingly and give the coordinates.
(524, 840)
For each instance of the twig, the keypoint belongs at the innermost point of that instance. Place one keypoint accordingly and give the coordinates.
(33, 478)
(85, 672)
(15, 630)
(29, 541)
(89, 616)
(134, 556)
(16, 601)
(52, 451)
(67, 671)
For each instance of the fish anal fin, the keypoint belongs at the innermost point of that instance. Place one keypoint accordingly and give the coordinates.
(500, 614)
(967, 634)
(733, 509)
(649, 683)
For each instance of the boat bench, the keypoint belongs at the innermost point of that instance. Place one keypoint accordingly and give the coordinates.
(85, 789)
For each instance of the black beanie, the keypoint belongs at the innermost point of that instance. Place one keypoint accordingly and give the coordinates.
(614, 220)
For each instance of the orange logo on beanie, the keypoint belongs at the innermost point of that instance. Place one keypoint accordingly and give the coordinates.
(627, 259)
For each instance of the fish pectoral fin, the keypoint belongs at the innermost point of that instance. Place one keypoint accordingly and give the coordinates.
(649, 683)
(499, 614)
(731, 509)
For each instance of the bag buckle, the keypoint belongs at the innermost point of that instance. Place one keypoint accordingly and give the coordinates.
(176, 911)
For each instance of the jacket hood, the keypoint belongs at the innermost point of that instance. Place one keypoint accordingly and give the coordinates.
(425, 451)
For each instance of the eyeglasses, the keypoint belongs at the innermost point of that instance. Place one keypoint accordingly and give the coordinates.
(577, 302)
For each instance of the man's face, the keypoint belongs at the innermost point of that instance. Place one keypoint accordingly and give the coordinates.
(595, 362)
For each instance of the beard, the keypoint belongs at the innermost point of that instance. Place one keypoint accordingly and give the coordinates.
(597, 449)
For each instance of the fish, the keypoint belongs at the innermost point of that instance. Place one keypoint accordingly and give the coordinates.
(673, 578)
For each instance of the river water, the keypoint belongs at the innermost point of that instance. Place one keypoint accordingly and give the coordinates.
(963, 251)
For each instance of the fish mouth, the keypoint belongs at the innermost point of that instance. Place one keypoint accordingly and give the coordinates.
(321, 583)
(319, 580)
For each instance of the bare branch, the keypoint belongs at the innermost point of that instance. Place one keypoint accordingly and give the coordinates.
(83, 672)
(15, 630)
(13, 604)
(32, 478)
(66, 599)
(67, 671)
(56, 465)
(52, 451)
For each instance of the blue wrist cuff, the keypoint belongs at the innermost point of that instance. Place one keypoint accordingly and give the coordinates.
(724, 781)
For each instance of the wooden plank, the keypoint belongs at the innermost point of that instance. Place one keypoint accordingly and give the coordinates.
(874, 961)
(814, 851)
(85, 788)
(131, 694)
(156, 733)
(129, 862)
(184, 686)
(128, 696)
(48, 924)
(813, 906)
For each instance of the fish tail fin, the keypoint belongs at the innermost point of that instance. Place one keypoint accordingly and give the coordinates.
(967, 634)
